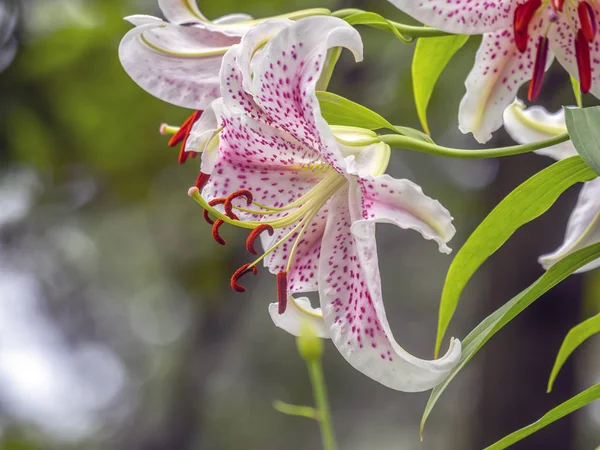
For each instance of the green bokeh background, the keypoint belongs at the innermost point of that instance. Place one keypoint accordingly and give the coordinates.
(98, 236)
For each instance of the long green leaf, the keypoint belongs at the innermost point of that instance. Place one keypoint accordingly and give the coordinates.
(528, 201)
(338, 110)
(584, 128)
(573, 404)
(495, 321)
(431, 57)
(577, 336)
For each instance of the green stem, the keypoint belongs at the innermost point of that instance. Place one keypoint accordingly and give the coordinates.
(317, 380)
(398, 141)
(408, 30)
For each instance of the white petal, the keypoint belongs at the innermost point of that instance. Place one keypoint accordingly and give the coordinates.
(583, 228)
(364, 160)
(177, 64)
(298, 312)
(461, 16)
(353, 310)
(499, 70)
(402, 203)
(232, 18)
(181, 11)
(203, 137)
(533, 124)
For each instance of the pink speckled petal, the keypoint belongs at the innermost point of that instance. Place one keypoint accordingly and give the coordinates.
(583, 228)
(499, 71)
(201, 137)
(461, 16)
(177, 64)
(298, 312)
(353, 310)
(302, 276)
(533, 124)
(562, 43)
(235, 73)
(286, 72)
(402, 203)
(259, 158)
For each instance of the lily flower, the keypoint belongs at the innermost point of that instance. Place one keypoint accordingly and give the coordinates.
(520, 40)
(178, 60)
(313, 194)
(583, 229)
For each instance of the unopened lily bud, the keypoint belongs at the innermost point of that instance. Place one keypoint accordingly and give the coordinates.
(309, 344)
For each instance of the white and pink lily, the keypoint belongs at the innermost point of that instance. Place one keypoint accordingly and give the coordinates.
(534, 124)
(520, 39)
(178, 59)
(313, 194)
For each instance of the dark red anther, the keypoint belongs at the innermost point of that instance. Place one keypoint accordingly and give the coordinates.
(213, 202)
(521, 37)
(228, 205)
(281, 292)
(182, 136)
(215, 232)
(541, 58)
(202, 180)
(254, 235)
(558, 5)
(523, 15)
(582, 54)
(238, 274)
(587, 19)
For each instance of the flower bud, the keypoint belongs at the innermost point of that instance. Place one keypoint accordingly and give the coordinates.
(309, 344)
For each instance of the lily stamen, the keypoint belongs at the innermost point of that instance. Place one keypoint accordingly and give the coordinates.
(240, 273)
(228, 205)
(281, 292)
(181, 136)
(254, 234)
(213, 202)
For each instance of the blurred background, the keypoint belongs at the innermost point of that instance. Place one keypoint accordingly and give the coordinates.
(118, 329)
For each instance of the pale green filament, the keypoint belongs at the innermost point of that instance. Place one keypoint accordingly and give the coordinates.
(314, 200)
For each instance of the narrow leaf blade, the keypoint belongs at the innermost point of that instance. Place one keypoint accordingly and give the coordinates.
(573, 404)
(431, 57)
(503, 315)
(577, 336)
(584, 128)
(527, 202)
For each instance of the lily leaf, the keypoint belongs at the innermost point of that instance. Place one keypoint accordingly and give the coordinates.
(295, 410)
(573, 404)
(415, 134)
(503, 315)
(584, 128)
(577, 336)
(527, 202)
(431, 57)
(376, 21)
(338, 110)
